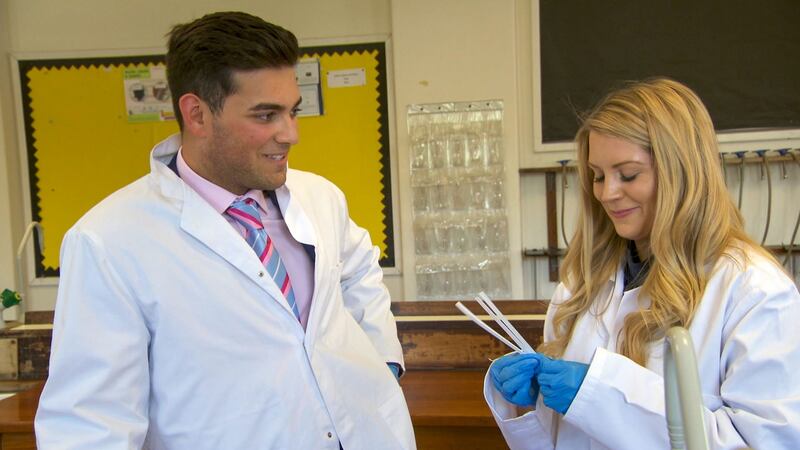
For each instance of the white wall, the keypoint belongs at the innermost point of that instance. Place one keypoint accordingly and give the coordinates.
(51, 28)
(10, 205)
(51, 25)
(785, 208)
(456, 50)
(440, 50)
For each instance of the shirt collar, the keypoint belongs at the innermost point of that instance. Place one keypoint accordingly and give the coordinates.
(219, 198)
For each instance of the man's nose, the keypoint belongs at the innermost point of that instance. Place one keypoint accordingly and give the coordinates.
(288, 133)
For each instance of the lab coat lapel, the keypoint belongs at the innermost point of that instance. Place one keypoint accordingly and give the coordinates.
(300, 225)
(610, 299)
(200, 220)
(306, 231)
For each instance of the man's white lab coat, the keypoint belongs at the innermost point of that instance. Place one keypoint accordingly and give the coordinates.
(747, 341)
(169, 335)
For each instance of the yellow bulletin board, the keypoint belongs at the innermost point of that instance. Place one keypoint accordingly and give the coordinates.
(81, 146)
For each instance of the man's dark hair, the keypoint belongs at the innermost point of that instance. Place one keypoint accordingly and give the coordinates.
(203, 55)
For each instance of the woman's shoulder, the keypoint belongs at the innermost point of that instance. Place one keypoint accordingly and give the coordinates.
(745, 270)
(744, 259)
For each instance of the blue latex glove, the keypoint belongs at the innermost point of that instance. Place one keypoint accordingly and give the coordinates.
(559, 381)
(514, 376)
(395, 368)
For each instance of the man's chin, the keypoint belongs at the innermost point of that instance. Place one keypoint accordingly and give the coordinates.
(273, 183)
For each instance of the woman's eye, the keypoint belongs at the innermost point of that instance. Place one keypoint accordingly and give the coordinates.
(598, 178)
(625, 178)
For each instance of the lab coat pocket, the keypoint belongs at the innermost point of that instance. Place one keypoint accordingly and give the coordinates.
(395, 412)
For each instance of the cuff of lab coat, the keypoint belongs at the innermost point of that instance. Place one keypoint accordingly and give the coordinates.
(581, 405)
(520, 432)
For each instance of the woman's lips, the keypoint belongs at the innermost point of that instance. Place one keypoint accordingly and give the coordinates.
(620, 213)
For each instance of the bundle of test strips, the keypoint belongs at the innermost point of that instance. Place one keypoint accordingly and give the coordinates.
(519, 344)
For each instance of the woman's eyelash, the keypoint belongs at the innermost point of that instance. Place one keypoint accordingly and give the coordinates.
(601, 178)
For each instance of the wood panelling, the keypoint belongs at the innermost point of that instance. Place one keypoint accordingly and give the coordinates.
(457, 344)
(34, 355)
(39, 317)
(448, 307)
(434, 335)
(17, 441)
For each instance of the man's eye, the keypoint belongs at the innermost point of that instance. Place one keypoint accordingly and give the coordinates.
(295, 111)
(266, 117)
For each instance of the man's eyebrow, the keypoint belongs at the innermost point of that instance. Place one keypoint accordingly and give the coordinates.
(266, 107)
(273, 106)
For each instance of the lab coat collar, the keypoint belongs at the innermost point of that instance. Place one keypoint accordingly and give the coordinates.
(170, 185)
(606, 298)
(163, 178)
(294, 213)
(199, 219)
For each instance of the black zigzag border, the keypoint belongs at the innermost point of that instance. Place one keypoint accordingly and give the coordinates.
(383, 131)
(25, 66)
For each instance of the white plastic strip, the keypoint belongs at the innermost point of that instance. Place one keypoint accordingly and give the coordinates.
(504, 323)
(492, 311)
(486, 328)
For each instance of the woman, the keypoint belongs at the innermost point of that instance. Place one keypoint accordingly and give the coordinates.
(659, 243)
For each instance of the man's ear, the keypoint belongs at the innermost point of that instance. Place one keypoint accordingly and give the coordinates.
(196, 115)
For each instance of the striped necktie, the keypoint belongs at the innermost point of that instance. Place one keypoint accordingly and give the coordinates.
(245, 212)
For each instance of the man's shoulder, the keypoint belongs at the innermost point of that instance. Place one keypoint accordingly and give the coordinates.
(117, 206)
(300, 180)
(295, 175)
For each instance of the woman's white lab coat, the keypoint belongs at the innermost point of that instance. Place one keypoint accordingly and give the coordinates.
(747, 341)
(168, 335)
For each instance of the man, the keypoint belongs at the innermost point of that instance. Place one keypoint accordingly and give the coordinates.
(224, 301)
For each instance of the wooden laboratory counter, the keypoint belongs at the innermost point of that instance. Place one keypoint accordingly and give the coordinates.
(16, 419)
(447, 410)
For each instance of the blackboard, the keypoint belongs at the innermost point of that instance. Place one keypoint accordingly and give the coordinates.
(741, 57)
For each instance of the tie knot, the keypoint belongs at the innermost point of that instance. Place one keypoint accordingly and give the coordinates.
(245, 211)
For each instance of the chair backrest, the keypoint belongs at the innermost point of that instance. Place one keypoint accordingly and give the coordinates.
(682, 392)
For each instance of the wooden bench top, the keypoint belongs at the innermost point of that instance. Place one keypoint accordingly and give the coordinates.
(439, 398)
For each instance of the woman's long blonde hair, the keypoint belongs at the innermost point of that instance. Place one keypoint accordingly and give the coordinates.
(695, 219)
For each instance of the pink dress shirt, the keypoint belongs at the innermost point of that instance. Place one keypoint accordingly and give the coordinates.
(298, 264)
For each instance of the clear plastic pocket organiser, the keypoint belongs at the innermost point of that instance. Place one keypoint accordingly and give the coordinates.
(457, 178)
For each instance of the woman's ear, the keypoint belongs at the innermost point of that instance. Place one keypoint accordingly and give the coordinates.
(196, 115)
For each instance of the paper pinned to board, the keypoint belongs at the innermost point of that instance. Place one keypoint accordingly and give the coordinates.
(519, 343)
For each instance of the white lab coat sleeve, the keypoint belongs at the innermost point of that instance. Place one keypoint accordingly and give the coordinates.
(96, 396)
(620, 404)
(759, 396)
(529, 431)
(365, 296)
(759, 401)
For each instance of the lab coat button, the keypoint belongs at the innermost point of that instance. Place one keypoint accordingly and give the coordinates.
(330, 435)
(261, 274)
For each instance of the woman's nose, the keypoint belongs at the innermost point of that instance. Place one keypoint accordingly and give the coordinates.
(610, 190)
